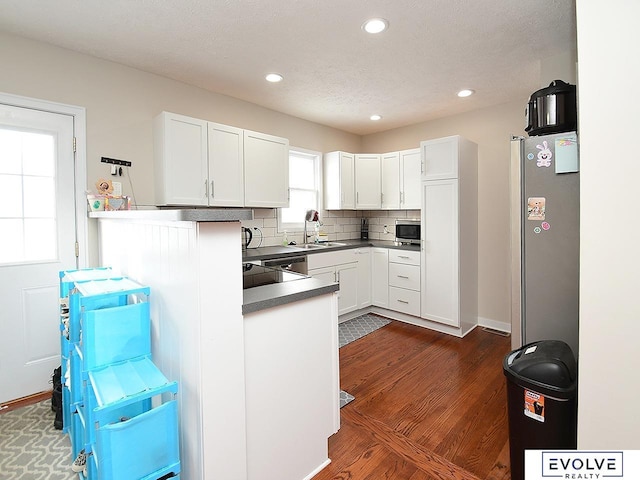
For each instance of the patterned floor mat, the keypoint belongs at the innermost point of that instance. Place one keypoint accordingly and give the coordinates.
(358, 327)
(30, 448)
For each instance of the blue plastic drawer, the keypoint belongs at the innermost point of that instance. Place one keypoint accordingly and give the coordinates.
(142, 446)
(116, 334)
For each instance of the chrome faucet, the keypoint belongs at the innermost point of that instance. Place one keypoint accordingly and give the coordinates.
(311, 216)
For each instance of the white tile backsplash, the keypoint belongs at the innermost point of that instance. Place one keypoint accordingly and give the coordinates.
(337, 224)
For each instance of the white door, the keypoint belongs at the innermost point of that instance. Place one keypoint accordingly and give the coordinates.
(368, 181)
(390, 168)
(347, 181)
(226, 165)
(266, 170)
(347, 276)
(410, 179)
(440, 158)
(380, 276)
(440, 240)
(37, 221)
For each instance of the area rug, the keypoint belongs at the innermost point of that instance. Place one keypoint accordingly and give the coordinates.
(30, 448)
(358, 327)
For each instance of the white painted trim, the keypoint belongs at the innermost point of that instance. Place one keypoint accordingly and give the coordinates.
(494, 324)
(425, 323)
(80, 133)
(318, 470)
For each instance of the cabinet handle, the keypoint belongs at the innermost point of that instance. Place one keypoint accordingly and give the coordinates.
(357, 198)
(403, 301)
(206, 189)
(212, 190)
(403, 256)
(403, 276)
(382, 199)
(401, 197)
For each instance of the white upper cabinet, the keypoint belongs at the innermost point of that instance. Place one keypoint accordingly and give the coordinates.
(440, 158)
(181, 160)
(226, 165)
(390, 165)
(339, 193)
(266, 170)
(202, 163)
(410, 179)
(368, 181)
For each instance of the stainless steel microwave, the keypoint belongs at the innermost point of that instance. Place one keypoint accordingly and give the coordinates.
(408, 231)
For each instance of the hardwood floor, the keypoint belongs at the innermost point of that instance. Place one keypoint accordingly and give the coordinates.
(427, 406)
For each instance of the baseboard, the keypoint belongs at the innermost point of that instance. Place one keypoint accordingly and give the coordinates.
(318, 469)
(494, 324)
(421, 322)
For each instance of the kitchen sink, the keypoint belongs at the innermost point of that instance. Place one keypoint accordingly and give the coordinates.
(311, 246)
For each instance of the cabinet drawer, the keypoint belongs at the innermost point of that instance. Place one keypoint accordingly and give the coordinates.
(405, 301)
(409, 257)
(404, 276)
(328, 259)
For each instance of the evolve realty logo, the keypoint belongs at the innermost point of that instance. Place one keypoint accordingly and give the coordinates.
(582, 465)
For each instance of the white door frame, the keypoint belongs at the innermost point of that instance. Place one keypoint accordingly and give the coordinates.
(80, 164)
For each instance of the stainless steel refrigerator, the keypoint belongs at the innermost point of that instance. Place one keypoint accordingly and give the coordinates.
(545, 243)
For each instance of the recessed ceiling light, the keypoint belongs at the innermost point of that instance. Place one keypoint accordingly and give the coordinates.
(375, 117)
(274, 77)
(466, 92)
(375, 25)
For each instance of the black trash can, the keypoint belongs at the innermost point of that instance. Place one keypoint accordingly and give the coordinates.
(542, 400)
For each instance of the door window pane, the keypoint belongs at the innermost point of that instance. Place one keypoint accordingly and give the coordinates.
(10, 151)
(38, 154)
(39, 197)
(10, 196)
(37, 235)
(27, 196)
(11, 240)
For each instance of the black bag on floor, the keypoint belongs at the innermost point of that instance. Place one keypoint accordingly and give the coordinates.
(56, 397)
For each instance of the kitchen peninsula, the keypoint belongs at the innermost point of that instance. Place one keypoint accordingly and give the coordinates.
(256, 389)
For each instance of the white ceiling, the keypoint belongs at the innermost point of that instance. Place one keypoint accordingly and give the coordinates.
(335, 74)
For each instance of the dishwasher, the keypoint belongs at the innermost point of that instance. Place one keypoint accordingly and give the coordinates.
(296, 264)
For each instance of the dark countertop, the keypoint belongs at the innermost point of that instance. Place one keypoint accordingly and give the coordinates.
(268, 296)
(180, 214)
(264, 253)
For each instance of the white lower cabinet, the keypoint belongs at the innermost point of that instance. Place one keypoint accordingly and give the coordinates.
(341, 267)
(404, 281)
(405, 301)
(380, 277)
(371, 276)
(363, 256)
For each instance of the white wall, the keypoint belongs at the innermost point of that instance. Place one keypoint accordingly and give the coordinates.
(609, 75)
(121, 103)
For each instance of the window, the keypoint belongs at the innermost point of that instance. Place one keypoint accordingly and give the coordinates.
(27, 197)
(304, 189)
